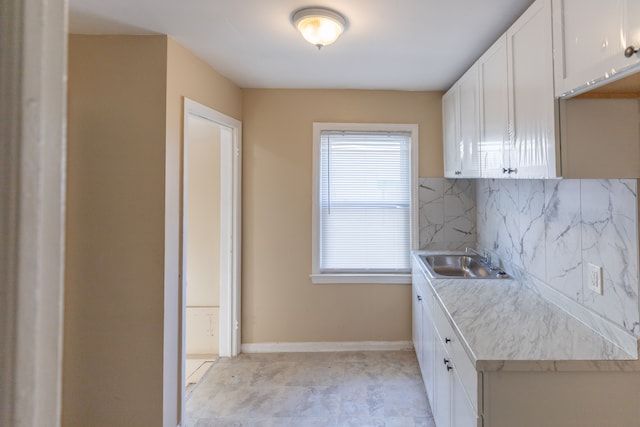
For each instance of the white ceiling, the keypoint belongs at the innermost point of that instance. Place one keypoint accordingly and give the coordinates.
(389, 44)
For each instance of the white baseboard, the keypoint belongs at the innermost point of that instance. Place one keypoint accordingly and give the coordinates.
(313, 347)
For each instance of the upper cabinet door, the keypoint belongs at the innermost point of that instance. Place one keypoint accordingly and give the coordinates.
(468, 104)
(450, 130)
(631, 21)
(494, 110)
(460, 127)
(533, 106)
(590, 38)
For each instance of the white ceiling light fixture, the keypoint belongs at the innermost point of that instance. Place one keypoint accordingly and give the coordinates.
(319, 26)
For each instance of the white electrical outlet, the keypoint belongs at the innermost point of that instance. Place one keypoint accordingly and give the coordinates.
(595, 278)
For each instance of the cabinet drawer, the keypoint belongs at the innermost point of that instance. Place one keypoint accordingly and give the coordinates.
(459, 358)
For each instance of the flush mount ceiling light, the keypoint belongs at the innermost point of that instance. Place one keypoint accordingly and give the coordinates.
(319, 26)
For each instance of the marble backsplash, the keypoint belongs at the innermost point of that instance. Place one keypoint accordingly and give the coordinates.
(548, 231)
(447, 213)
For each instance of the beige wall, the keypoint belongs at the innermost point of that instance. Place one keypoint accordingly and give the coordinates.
(123, 221)
(113, 335)
(122, 291)
(279, 302)
(187, 76)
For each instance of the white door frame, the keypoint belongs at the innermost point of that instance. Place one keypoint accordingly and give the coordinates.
(33, 58)
(230, 237)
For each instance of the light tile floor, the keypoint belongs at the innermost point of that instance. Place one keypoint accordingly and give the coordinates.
(311, 389)
(194, 368)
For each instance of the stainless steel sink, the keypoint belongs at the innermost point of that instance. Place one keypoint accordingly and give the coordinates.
(462, 266)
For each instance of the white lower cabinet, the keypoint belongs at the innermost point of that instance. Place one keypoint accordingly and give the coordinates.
(423, 331)
(441, 398)
(449, 376)
(416, 323)
(463, 414)
(456, 381)
(515, 396)
(450, 403)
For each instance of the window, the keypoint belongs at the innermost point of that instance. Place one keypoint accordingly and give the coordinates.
(365, 218)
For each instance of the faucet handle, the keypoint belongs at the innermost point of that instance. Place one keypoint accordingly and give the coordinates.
(489, 261)
(487, 255)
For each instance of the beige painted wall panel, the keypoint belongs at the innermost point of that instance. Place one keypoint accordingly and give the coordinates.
(203, 213)
(187, 76)
(278, 300)
(190, 76)
(122, 291)
(600, 138)
(566, 399)
(113, 337)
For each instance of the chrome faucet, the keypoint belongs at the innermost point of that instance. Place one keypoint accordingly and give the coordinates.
(484, 256)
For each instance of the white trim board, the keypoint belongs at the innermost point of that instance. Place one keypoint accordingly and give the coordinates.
(317, 347)
(230, 217)
(230, 237)
(33, 88)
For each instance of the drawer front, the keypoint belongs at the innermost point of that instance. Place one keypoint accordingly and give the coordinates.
(461, 362)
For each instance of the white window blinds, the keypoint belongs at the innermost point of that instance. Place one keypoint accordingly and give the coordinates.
(365, 202)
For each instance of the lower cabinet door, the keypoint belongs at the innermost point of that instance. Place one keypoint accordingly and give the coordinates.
(428, 343)
(441, 404)
(417, 323)
(462, 412)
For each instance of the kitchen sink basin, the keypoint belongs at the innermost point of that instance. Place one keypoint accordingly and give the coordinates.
(462, 266)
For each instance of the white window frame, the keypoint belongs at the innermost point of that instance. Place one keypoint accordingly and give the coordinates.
(381, 278)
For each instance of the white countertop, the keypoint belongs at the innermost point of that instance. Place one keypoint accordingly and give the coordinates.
(504, 325)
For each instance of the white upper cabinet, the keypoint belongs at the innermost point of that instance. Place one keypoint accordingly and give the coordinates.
(468, 102)
(494, 110)
(460, 127)
(514, 125)
(532, 107)
(451, 132)
(502, 118)
(590, 39)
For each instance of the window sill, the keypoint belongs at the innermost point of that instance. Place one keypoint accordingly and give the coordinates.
(399, 279)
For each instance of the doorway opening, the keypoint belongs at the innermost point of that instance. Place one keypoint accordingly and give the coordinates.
(210, 240)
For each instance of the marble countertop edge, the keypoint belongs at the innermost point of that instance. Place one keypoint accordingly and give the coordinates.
(558, 365)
